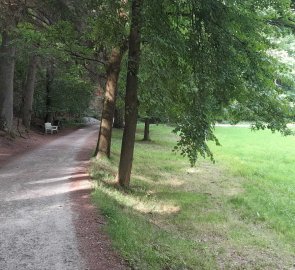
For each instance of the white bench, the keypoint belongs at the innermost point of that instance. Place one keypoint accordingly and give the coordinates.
(50, 128)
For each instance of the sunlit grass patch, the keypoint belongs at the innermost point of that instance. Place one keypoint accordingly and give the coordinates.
(237, 214)
(144, 245)
(135, 231)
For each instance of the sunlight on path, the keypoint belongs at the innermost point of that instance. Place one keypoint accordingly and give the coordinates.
(36, 220)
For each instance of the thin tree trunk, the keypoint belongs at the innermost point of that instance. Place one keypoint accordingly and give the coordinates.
(131, 102)
(146, 136)
(118, 118)
(29, 91)
(7, 63)
(49, 81)
(103, 147)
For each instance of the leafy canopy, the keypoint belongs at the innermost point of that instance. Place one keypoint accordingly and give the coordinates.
(223, 47)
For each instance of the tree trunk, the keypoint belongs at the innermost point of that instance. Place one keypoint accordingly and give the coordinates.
(146, 136)
(29, 91)
(103, 147)
(7, 63)
(118, 118)
(49, 82)
(131, 102)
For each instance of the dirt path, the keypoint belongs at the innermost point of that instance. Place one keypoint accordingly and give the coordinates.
(46, 219)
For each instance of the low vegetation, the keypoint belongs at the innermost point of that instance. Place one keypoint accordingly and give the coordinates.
(235, 214)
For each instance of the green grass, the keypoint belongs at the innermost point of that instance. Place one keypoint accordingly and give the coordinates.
(267, 162)
(236, 214)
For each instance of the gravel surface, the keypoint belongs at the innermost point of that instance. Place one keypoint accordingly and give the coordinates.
(36, 215)
(90, 121)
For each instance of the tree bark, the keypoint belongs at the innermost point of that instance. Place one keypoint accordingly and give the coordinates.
(7, 63)
(28, 95)
(131, 102)
(49, 82)
(103, 147)
(118, 118)
(146, 136)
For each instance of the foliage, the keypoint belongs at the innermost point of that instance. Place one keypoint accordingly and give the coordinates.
(285, 53)
(51, 30)
(111, 23)
(71, 92)
(199, 59)
(223, 46)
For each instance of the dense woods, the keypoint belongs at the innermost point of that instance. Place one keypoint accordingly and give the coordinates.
(189, 63)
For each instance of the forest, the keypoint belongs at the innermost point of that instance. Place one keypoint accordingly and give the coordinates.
(149, 70)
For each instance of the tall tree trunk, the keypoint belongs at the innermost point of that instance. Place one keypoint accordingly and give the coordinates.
(103, 147)
(49, 82)
(118, 118)
(146, 136)
(29, 91)
(7, 63)
(131, 102)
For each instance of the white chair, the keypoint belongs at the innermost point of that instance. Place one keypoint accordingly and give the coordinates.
(50, 128)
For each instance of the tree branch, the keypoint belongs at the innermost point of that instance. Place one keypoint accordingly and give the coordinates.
(82, 57)
(280, 22)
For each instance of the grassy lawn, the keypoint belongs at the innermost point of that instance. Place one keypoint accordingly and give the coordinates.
(236, 214)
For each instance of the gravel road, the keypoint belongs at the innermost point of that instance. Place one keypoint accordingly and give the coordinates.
(36, 218)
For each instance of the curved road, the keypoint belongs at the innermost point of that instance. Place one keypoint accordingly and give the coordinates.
(36, 219)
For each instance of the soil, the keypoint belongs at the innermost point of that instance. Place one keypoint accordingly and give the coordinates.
(47, 219)
(94, 244)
